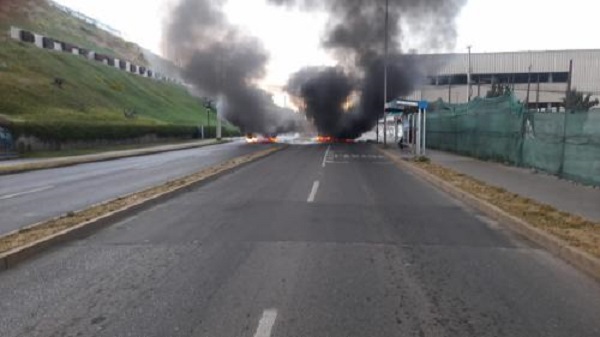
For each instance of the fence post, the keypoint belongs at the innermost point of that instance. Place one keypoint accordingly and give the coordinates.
(524, 113)
(455, 119)
(561, 166)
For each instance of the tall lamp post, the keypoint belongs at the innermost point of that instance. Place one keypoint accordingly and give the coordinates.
(469, 75)
(385, 73)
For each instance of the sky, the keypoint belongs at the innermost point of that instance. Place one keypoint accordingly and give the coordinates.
(486, 25)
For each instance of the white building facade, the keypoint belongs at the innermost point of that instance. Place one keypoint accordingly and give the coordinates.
(537, 77)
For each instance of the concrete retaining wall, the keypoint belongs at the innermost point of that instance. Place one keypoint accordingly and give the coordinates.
(39, 40)
(15, 33)
(43, 42)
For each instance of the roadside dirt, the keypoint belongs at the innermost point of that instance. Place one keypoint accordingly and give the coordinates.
(46, 229)
(575, 230)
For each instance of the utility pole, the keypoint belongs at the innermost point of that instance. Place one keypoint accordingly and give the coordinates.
(537, 94)
(221, 79)
(561, 168)
(219, 124)
(208, 118)
(569, 82)
(385, 73)
(469, 75)
(528, 87)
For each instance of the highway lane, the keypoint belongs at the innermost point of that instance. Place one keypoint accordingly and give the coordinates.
(302, 244)
(31, 197)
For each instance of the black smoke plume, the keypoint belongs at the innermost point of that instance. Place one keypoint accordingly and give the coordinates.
(224, 63)
(355, 35)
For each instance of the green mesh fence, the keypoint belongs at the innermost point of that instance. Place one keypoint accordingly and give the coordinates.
(500, 129)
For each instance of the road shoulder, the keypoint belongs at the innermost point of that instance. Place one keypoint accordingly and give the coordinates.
(567, 236)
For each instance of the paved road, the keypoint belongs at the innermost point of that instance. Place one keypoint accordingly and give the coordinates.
(35, 196)
(267, 251)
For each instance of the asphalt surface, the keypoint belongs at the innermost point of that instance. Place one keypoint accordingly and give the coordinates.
(27, 198)
(302, 243)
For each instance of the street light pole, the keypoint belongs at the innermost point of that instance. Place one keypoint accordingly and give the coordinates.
(221, 78)
(219, 126)
(385, 73)
(469, 75)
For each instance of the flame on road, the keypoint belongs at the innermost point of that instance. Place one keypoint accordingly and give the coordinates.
(329, 139)
(254, 139)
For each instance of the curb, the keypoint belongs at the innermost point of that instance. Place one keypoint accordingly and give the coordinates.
(71, 161)
(580, 259)
(15, 256)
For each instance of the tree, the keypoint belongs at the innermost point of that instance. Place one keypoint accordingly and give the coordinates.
(498, 90)
(578, 101)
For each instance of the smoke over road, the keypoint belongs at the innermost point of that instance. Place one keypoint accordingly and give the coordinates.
(355, 36)
(221, 61)
(224, 63)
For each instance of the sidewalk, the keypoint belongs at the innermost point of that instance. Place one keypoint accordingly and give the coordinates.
(23, 165)
(562, 194)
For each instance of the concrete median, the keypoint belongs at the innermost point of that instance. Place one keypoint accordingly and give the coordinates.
(13, 168)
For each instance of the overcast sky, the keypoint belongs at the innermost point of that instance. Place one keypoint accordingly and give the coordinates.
(487, 25)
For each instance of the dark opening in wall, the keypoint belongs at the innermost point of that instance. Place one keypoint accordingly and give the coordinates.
(48, 43)
(27, 36)
(509, 78)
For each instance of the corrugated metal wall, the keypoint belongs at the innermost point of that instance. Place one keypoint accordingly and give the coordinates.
(586, 71)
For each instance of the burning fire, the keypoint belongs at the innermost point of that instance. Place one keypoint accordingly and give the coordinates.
(324, 139)
(329, 139)
(260, 139)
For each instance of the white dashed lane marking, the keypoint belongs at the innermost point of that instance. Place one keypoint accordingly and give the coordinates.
(313, 192)
(265, 325)
(16, 195)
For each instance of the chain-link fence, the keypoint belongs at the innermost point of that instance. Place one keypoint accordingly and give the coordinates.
(500, 129)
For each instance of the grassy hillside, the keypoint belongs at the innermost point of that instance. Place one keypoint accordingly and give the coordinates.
(94, 101)
(39, 16)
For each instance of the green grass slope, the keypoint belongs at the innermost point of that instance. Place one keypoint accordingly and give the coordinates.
(40, 17)
(93, 101)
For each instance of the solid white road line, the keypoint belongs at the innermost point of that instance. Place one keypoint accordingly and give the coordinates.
(313, 192)
(15, 195)
(325, 156)
(265, 325)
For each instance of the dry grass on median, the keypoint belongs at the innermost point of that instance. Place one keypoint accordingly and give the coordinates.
(575, 230)
(44, 230)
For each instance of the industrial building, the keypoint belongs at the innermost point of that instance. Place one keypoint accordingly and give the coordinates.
(537, 77)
